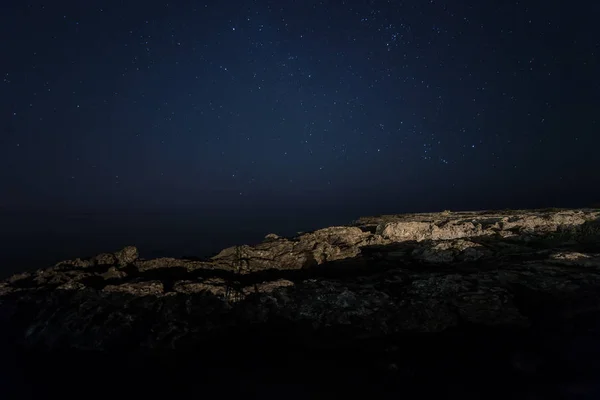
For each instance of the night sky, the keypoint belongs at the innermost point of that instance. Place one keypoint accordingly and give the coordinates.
(186, 126)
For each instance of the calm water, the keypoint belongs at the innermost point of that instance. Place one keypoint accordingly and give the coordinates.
(34, 240)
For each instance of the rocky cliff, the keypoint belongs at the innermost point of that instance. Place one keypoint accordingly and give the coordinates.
(490, 303)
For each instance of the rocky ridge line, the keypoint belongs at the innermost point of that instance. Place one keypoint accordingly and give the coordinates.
(536, 272)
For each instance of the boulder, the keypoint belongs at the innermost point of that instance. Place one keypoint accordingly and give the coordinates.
(127, 255)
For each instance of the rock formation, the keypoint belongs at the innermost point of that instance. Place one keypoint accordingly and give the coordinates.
(503, 303)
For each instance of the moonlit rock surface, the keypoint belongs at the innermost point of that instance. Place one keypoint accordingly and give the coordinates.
(407, 298)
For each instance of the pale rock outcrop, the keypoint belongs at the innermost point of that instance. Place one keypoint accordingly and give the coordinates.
(406, 297)
(105, 259)
(137, 288)
(576, 259)
(127, 255)
(446, 226)
(309, 249)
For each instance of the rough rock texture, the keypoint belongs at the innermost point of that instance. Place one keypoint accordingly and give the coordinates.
(486, 304)
(305, 251)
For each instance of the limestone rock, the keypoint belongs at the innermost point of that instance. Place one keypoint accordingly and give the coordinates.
(71, 285)
(105, 259)
(113, 273)
(443, 226)
(576, 258)
(215, 286)
(272, 236)
(310, 249)
(78, 262)
(127, 255)
(137, 288)
(450, 251)
(6, 288)
(496, 288)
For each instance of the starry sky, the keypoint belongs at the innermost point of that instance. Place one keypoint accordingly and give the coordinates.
(259, 116)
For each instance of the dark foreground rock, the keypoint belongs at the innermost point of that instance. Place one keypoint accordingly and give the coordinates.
(477, 305)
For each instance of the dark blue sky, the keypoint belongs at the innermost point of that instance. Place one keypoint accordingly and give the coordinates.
(310, 108)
